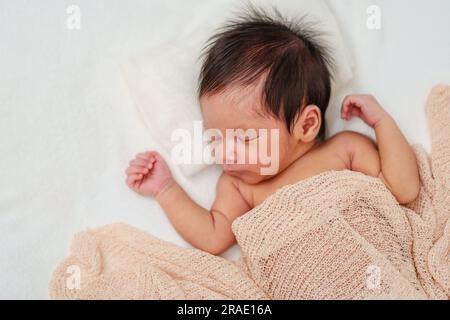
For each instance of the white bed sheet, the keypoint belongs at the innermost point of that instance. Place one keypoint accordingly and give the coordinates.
(68, 125)
(398, 63)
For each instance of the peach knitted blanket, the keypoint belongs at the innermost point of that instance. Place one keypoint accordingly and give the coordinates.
(337, 235)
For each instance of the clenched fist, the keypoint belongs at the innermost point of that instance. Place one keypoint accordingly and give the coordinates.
(148, 174)
(365, 107)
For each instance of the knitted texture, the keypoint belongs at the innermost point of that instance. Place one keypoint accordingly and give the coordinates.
(336, 235)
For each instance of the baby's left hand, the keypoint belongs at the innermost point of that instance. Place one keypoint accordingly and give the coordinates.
(364, 106)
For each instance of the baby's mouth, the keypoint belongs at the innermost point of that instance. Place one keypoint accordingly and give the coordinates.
(232, 168)
(228, 167)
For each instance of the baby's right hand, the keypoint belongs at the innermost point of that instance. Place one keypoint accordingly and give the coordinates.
(148, 174)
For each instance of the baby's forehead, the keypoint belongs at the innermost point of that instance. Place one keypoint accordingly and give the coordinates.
(244, 100)
(240, 105)
(248, 98)
(238, 121)
(230, 108)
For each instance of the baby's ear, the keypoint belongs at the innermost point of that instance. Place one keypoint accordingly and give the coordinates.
(308, 123)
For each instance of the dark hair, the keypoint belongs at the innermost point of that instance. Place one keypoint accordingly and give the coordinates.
(298, 65)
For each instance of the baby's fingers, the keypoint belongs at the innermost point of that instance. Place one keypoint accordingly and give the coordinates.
(350, 109)
(132, 179)
(346, 112)
(136, 170)
(150, 156)
(146, 156)
(141, 163)
(354, 99)
(356, 112)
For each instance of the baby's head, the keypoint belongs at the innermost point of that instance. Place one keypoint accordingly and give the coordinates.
(261, 71)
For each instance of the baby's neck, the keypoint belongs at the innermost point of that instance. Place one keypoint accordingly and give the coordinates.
(301, 149)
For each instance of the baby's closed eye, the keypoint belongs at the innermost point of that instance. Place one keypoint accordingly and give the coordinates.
(248, 135)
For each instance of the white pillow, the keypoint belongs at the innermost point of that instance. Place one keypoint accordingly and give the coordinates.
(163, 81)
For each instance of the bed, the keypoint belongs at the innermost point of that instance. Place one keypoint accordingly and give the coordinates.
(69, 127)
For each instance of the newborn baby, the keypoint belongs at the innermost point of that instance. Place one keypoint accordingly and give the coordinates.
(263, 72)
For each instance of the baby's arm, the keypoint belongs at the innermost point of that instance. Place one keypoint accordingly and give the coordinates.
(208, 230)
(394, 161)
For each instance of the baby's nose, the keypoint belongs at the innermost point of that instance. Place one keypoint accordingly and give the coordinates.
(231, 154)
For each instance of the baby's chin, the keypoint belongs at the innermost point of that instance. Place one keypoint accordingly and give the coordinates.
(247, 177)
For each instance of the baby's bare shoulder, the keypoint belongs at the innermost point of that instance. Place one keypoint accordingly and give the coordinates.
(360, 150)
(348, 136)
(344, 145)
(350, 140)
